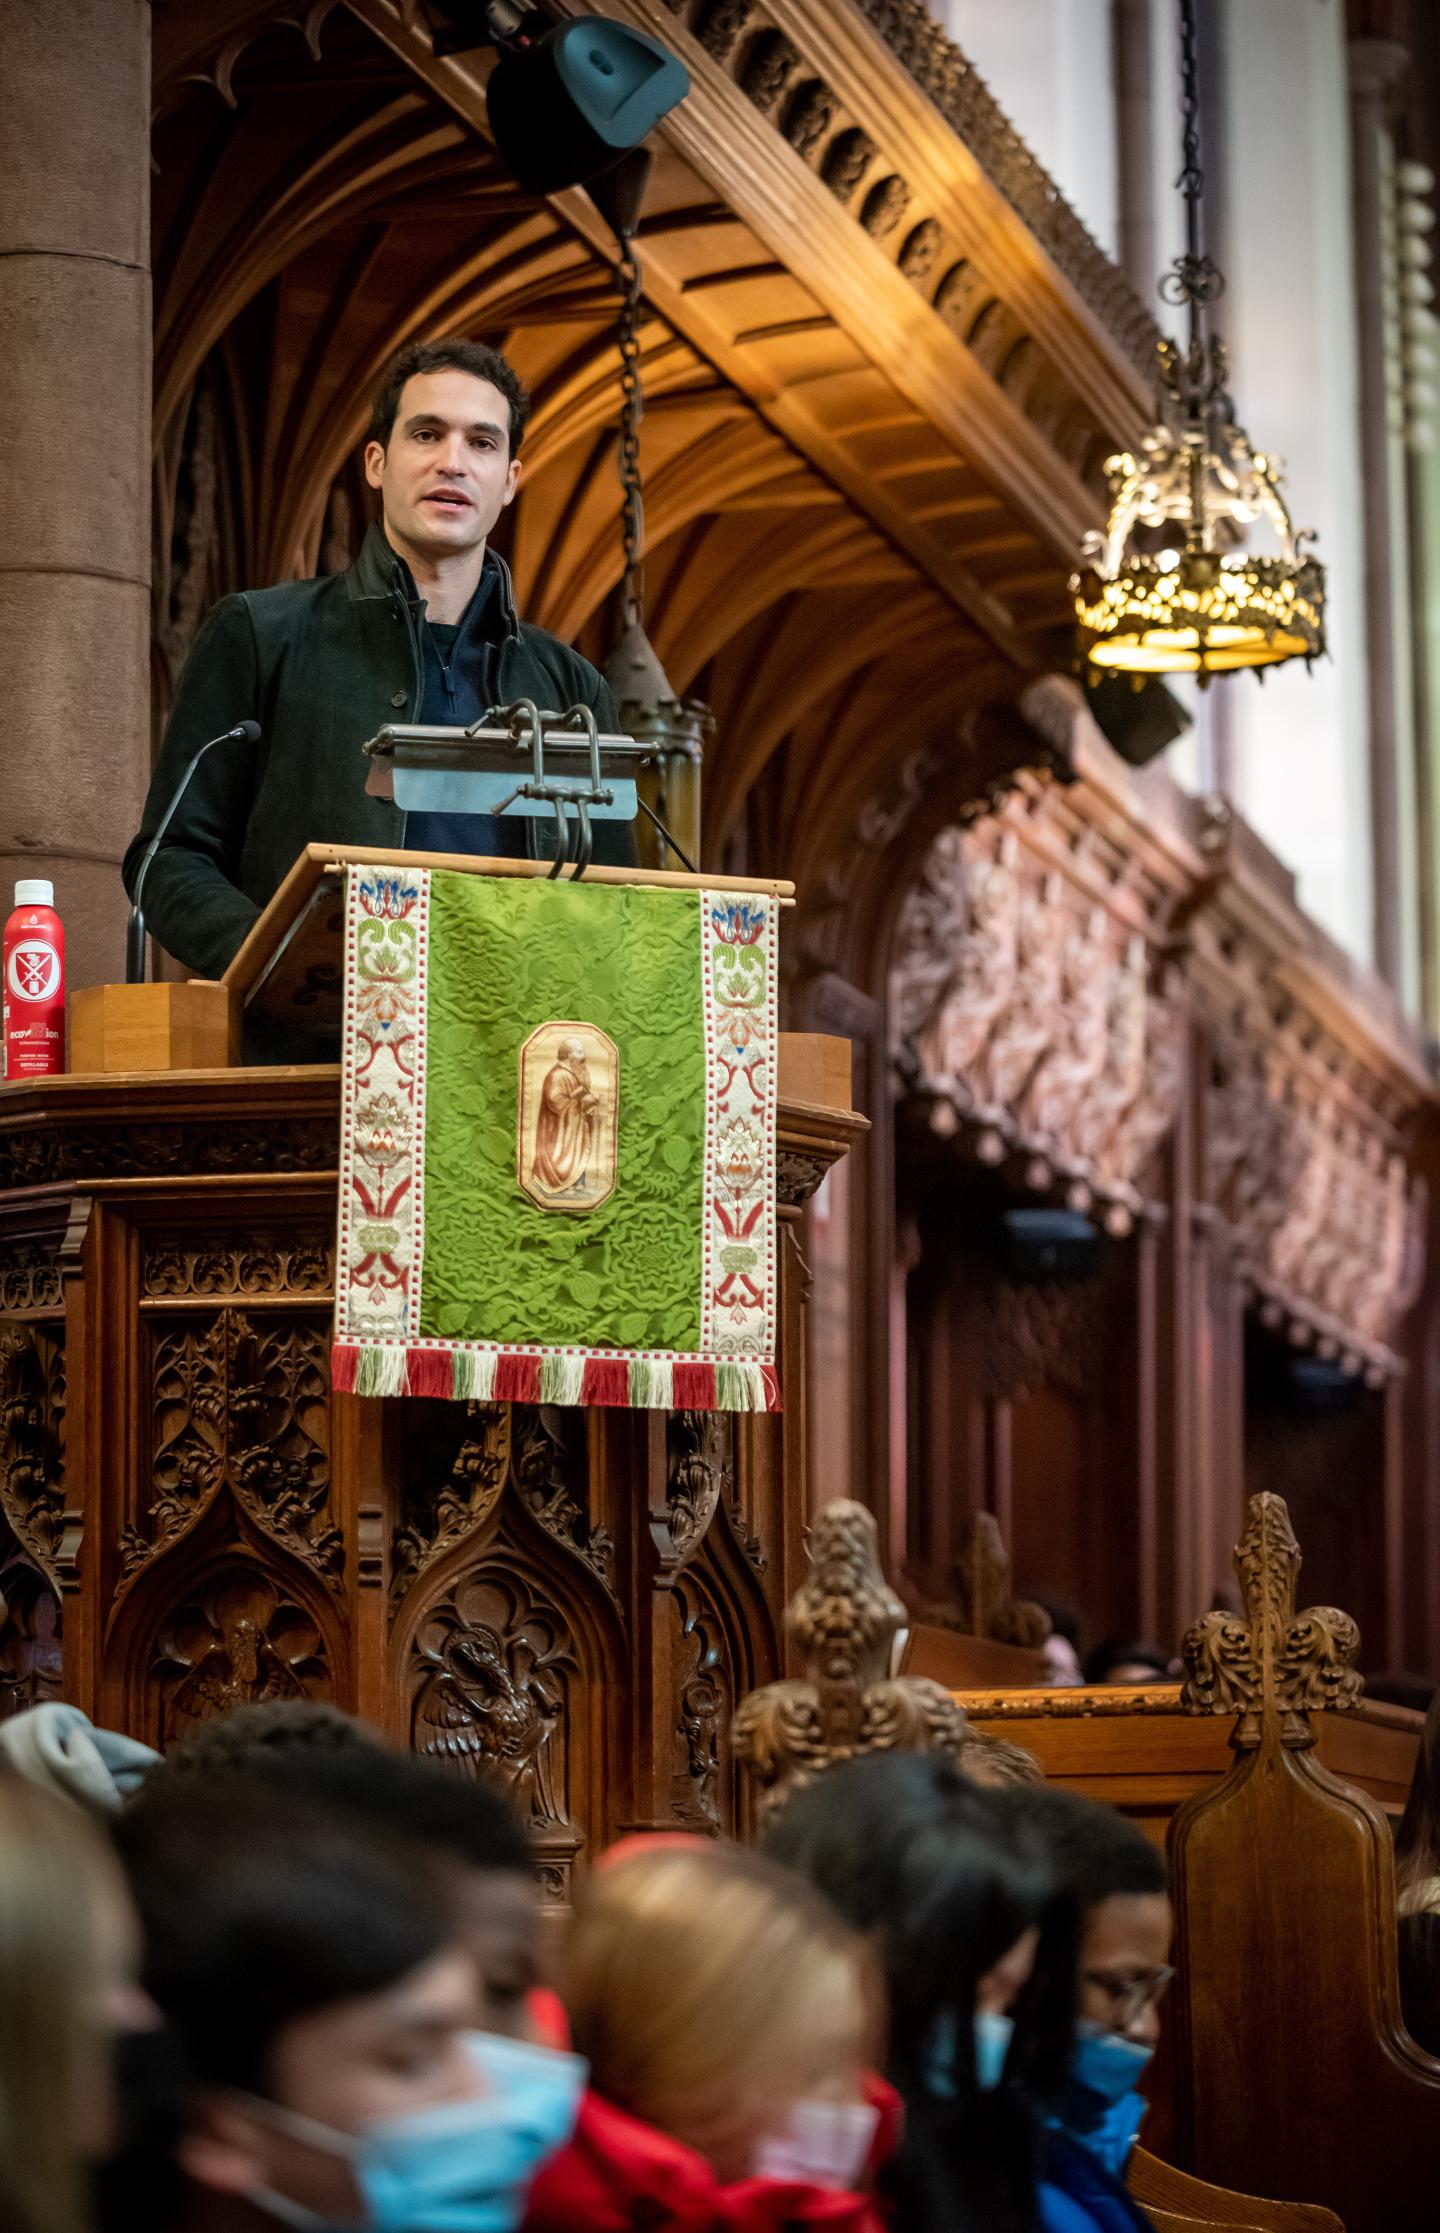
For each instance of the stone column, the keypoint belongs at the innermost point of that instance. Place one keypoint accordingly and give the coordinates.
(1377, 68)
(1132, 44)
(75, 457)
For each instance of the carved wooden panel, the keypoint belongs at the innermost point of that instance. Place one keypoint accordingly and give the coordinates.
(239, 1407)
(1032, 1017)
(231, 1640)
(32, 1411)
(495, 1675)
(704, 1699)
(29, 1632)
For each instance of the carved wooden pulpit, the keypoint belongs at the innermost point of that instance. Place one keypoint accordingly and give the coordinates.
(192, 1519)
(1295, 2075)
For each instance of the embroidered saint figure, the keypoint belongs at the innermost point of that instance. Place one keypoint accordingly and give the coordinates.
(568, 1121)
(568, 1080)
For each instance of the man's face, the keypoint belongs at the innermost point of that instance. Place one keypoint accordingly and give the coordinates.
(1126, 1945)
(446, 474)
(345, 2067)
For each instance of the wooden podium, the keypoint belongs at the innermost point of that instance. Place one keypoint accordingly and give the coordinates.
(191, 1519)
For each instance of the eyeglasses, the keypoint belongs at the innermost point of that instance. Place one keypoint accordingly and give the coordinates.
(1129, 1995)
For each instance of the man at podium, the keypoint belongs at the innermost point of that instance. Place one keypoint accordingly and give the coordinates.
(421, 629)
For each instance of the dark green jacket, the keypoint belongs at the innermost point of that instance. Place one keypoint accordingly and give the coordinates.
(321, 665)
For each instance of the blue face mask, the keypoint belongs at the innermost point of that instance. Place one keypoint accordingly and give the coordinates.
(464, 2167)
(993, 2035)
(1107, 2063)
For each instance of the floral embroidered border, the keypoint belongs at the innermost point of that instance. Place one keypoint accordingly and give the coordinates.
(380, 1258)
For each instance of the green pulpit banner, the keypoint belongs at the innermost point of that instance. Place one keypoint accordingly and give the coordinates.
(557, 1152)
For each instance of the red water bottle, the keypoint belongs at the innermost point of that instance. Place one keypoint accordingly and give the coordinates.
(34, 983)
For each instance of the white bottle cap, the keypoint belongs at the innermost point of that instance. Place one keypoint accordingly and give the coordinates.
(34, 891)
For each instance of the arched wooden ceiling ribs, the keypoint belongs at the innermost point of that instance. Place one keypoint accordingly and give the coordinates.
(201, 46)
(732, 579)
(232, 247)
(854, 842)
(782, 318)
(830, 635)
(823, 562)
(687, 460)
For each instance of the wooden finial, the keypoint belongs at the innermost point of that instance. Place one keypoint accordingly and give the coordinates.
(1271, 1666)
(842, 1621)
(983, 1574)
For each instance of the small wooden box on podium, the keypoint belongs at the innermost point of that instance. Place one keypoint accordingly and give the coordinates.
(195, 1025)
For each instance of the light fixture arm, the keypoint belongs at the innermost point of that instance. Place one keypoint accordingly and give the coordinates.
(1194, 279)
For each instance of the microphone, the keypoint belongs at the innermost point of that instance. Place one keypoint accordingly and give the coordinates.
(244, 732)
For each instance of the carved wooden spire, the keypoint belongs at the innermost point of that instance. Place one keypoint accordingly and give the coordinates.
(1272, 1666)
(842, 1621)
(983, 1573)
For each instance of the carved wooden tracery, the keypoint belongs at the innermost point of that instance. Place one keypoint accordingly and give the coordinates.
(1049, 990)
(240, 1406)
(1034, 1018)
(232, 1641)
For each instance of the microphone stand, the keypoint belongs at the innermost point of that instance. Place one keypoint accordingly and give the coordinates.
(244, 732)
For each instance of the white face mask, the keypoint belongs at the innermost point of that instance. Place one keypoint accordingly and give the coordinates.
(826, 2143)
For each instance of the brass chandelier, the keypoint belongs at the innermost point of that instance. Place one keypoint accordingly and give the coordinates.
(1169, 589)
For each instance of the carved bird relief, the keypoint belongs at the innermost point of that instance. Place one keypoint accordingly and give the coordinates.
(983, 975)
(1077, 1056)
(1023, 1032)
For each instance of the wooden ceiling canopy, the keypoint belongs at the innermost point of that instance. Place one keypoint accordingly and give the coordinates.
(846, 315)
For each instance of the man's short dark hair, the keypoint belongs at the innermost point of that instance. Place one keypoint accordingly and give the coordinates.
(454, 355)
(314, 1751)
(247, 1736)
(474, 1822)
(1096, 1852)
(259, 1908)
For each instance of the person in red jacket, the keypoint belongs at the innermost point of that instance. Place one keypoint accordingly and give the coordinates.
(729, 2019)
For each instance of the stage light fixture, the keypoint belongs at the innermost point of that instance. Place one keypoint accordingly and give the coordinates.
(568, 106)
(464, 25)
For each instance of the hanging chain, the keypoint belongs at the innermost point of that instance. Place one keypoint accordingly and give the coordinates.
(1193, 278)
(632, 411)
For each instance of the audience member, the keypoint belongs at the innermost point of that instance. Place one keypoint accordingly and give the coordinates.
(729, 2018)
(320, 1752)
(69, 1951)
(1118, 1881)
(326, 2008)
(992, 1762)
(1414, 1692)
(1062, 1666)
(1129, 1662)
(979, 1959)
(1062, 1645)
(1417, 1877)
(246, 1735)
(60, 1747)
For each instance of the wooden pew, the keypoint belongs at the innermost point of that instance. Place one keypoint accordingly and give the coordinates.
(1274, 1785)
(1173, 2199)
(1137, 1748)
(1293, 2067)
(1285, 2068)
